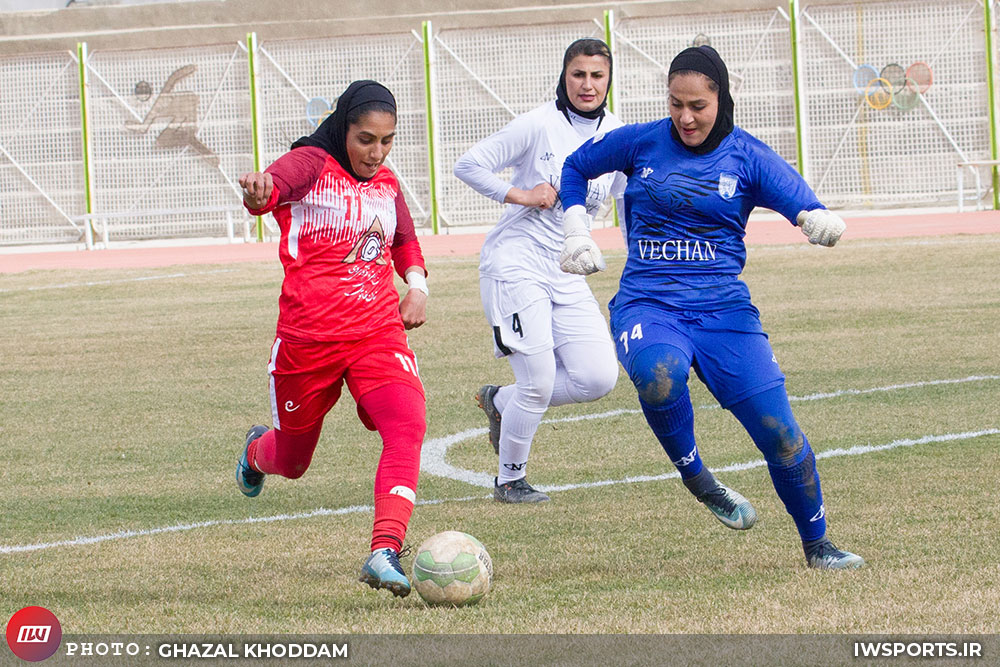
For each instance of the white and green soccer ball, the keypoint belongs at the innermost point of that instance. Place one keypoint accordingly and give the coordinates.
(452, 568)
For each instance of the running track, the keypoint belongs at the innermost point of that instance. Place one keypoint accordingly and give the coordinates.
(760, 232)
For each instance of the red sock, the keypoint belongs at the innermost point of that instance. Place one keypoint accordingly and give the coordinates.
(285, 454)
(398, 413)
(392, 515)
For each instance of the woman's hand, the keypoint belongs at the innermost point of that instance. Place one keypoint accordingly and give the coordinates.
(413, 308)
(541, 196)
(257, 188)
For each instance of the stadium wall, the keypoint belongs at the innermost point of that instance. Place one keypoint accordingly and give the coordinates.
(147, 138)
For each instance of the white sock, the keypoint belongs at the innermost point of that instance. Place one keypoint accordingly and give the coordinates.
(526, 402)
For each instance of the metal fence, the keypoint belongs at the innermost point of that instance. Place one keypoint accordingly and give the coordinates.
(877, 103)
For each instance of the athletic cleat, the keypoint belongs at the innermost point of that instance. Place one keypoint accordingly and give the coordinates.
(249, 481)
(382, 570)
(484, 398)
(729, 507)
(517, 491)
(823, 555)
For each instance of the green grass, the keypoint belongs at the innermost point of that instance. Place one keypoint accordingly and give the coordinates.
(124, 406)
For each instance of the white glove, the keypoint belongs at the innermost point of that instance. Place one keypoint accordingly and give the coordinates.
(821, 226)
(580, 254)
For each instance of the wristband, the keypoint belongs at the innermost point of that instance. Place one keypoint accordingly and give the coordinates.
(417, 280)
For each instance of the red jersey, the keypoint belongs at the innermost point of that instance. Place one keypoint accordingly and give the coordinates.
(340, 238)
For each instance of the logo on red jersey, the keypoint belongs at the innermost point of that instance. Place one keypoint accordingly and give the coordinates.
(369, 247)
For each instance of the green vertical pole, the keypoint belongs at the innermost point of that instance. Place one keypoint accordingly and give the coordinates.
(800, 148)
(429, 104)
(255, 115)
(609, 36)
(88, 175)
(988, 17)
(609, 39)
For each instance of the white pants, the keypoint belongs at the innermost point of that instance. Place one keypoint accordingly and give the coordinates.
(560, 350)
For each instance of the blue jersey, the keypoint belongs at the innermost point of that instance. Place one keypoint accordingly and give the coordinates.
(686, 214)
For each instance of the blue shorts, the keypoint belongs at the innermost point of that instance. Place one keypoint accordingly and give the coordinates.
(727, 348)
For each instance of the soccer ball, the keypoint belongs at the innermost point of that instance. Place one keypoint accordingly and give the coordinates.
(452, 568)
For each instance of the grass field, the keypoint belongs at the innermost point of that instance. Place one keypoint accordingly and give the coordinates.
(126, 394)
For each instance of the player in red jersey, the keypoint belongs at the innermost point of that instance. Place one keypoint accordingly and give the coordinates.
(344, 226)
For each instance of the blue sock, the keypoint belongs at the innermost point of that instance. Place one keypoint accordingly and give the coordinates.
(798, 487)
(768, 419)
(673, 426)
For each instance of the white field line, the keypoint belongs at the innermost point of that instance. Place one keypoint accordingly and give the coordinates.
(760, 463)
(434, 453)
(184, 527)
(118, 281)
(355, 509)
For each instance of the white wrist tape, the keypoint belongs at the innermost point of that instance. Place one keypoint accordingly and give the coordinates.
(821, 226)
(417, 280)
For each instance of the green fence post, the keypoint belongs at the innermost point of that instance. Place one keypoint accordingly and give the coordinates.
(427, 32)
(800, 135)
(255, 115)
(609, 38)
(88, 174)
(991, 88)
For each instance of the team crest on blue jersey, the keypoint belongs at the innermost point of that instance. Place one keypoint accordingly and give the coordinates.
(727, 185)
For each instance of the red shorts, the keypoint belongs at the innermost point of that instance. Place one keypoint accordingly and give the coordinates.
(307, 377)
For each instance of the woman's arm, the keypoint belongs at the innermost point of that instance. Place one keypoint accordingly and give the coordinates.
(289, 178)
(408, 260)
(478, 167)
(782, 189)
(605, 153)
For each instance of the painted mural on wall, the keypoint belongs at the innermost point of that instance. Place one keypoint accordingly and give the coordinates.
(179, 109)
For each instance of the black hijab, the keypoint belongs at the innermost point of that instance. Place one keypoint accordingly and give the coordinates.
(581, 47)
(706, 60)
(331, 135)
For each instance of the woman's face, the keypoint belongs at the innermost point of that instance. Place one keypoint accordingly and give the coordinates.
(693, 107)
(587, 81)
(369, 141)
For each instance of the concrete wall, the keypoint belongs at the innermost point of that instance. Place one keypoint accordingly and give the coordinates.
(177, 24)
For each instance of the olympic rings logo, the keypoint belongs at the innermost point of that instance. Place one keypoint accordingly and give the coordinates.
(893, 85)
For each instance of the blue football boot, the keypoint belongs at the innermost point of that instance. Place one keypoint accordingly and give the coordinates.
(730, 507)
(382, 570)
(823, 555)
(249, 481)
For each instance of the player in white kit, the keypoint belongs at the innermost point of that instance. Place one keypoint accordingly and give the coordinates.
(545, 321)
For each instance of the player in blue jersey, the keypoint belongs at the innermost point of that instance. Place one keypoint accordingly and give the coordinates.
(692, 181)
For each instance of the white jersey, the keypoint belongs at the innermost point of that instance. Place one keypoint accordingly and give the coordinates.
(526, 242)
